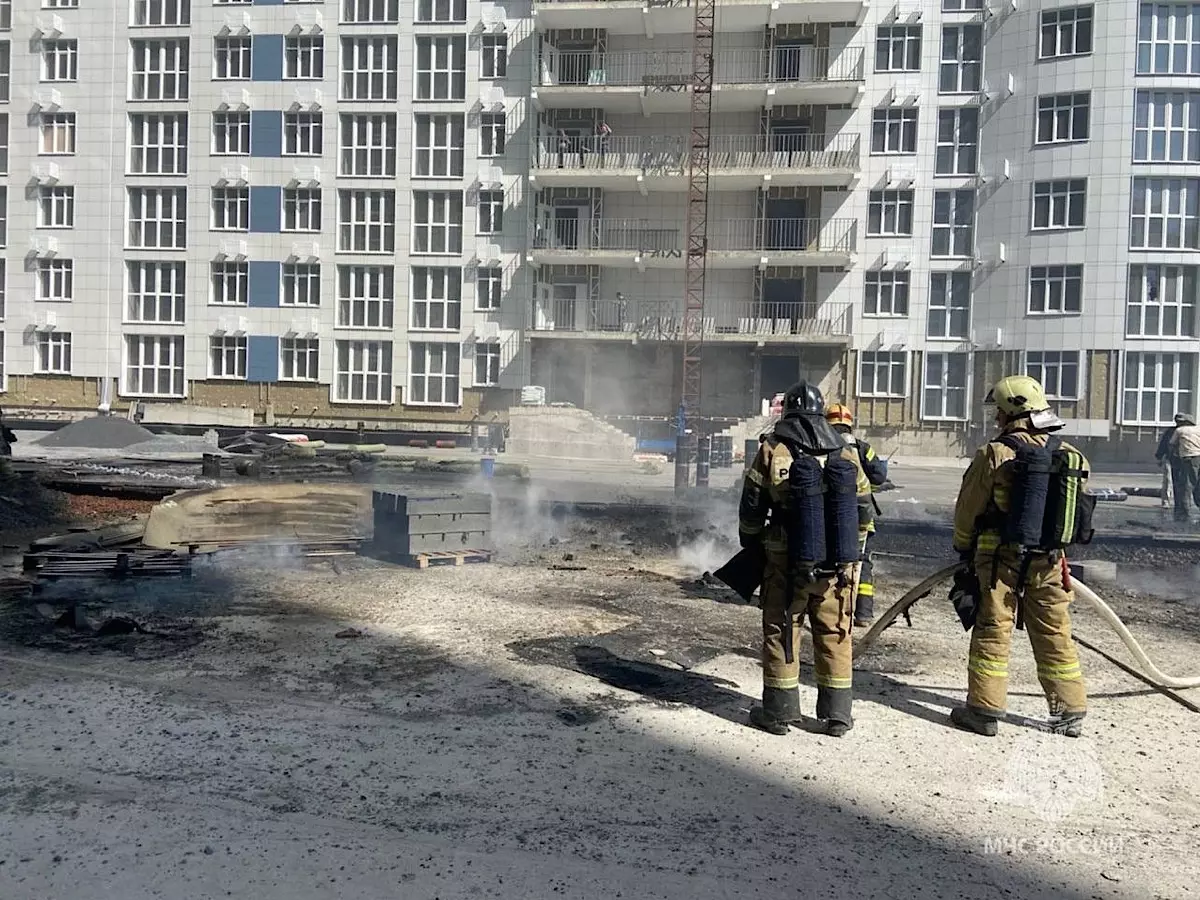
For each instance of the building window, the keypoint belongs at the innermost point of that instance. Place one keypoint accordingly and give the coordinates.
(304, 57)
(1168, 39)
(5, 71)
(366, 221)
(301, 210)
(301, 284)
(158, 143)
(433, 374)
(894, 130)
(366, 296)
(56, 206)
(886, 293)
(1157, 386)
(57, 132)
(363, 372)
(1055, 290)
(153, 366)
(953, 223)
(369, 68)
(489, 288)
(299, 359)
(159, 69)
(487, 363)
(883, 373)
(890, 213)
(1066, 32)
(54, 353)
(949, 305)
(230, 209)
(898, 48)
(231, 133)
(157, 218)
(493, 56)
(227, 356)
(437, 222)
(1059, 204)
(155, 292)
(56, 280)
(441, 67)
(370, 12)
(60, 60)
(1056, 370)
(231, 58)
(1161, 302)
(945, 390)
(1165, 214)
(492, 134)
(436, 299)
(303, 134)
(368, 145)
(161, 12)
(491, 212)
(439, 149)
(229, 283)
(962, 5)
(1063, 118)
(961, 70)
(1166, 126)
(441, 11)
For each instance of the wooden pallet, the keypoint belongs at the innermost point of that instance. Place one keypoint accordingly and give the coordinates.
(448, 557)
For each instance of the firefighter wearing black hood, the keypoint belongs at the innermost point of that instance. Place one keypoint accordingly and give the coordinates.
(799, 504)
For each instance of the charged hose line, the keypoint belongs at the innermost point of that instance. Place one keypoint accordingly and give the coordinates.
(1150, 673)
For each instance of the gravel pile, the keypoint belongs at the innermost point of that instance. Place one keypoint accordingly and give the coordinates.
(97, 433)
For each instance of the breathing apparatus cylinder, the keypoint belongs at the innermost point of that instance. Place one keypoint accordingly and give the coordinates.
(841, 511)
(806, 536)
(1027, 500)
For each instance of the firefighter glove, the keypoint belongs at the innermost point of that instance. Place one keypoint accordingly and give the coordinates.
(965, 596)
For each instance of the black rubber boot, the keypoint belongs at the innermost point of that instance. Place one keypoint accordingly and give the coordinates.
(837, 729)
(834, 706)
(780, 707)
(970, 719)
(1069, 724)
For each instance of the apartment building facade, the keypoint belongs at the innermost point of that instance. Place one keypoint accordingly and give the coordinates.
(273, 203)
(307, 206)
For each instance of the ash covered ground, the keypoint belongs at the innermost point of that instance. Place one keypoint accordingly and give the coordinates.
(566, 721)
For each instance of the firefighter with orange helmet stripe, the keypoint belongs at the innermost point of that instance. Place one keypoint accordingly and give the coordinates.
(841, 417)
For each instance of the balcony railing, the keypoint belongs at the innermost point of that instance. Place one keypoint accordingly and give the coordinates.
(663, 320)
(648, 238)
(673, 68)
(669, 153)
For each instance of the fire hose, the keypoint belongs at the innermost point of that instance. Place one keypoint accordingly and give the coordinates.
(1150, 673)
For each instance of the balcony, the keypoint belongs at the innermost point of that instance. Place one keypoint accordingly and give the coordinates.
(571, 239)
(676, 17)
(561, 311)
(660, 162)
(651, 83)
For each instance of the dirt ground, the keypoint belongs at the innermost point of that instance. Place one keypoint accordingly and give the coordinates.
(565, 722)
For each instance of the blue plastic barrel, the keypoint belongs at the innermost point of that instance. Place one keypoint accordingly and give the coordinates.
(487, 466)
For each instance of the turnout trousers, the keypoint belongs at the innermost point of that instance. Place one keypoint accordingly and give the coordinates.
(1047, 618)
(828, 603)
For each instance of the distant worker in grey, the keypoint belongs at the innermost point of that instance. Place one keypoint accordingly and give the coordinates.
(7, 438)
(1184, 452)
(1166, 461)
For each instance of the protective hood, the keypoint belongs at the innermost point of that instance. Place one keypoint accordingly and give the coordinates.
(809, 432)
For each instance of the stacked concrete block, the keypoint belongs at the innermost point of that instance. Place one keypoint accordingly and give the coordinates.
(566, 433)
(409, 526)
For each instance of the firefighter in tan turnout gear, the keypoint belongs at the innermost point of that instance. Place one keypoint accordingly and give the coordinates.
(800, 506)
(1023, 501)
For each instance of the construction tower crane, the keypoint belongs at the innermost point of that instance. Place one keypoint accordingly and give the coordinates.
(703, 38)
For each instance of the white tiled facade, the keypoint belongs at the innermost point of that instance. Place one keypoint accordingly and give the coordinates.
(906, 201)
(265, 193)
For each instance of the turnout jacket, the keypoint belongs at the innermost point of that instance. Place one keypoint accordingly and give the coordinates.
(985, 496)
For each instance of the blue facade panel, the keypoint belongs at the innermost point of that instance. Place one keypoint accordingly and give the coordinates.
(264, 284)
(266, 133)
(268, 2)
(262, 358)
(266, 209)
(266, 57)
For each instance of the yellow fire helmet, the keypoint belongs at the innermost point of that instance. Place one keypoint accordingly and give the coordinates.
(1020, 395)
(839, 414)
